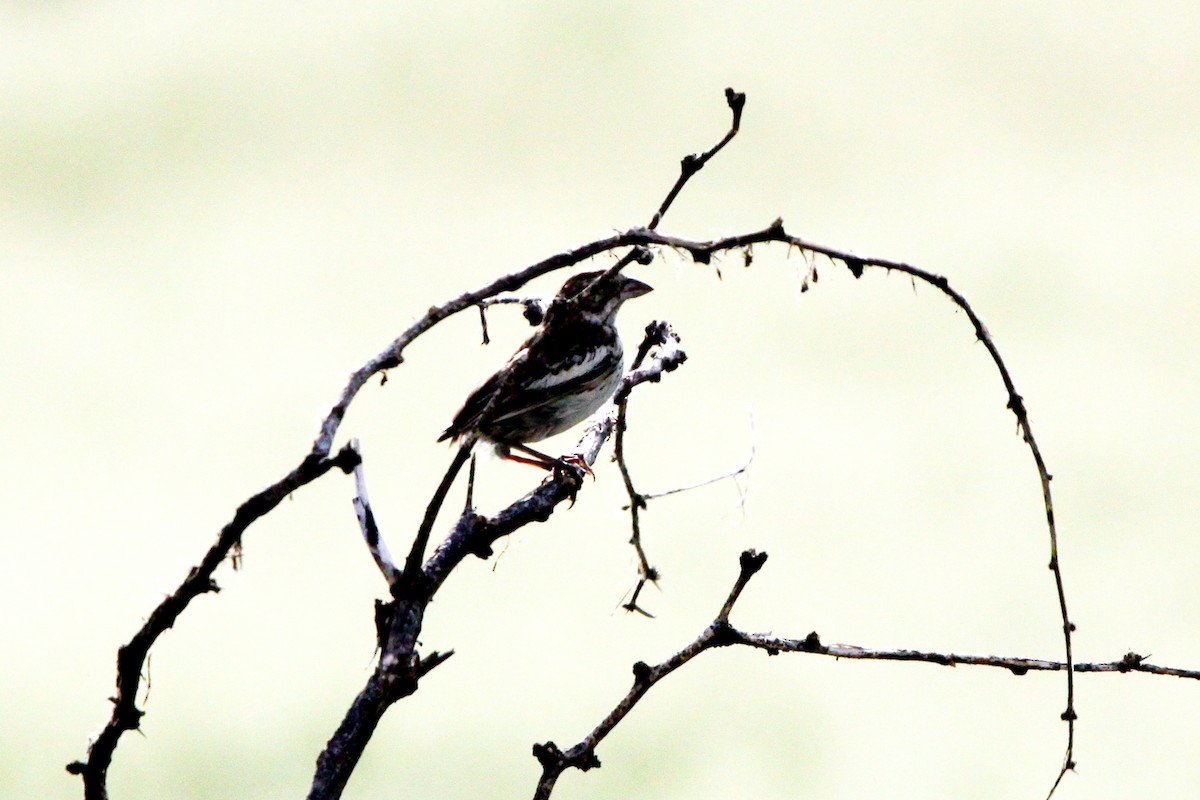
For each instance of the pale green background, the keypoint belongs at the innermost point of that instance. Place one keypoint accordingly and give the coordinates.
(213, 213)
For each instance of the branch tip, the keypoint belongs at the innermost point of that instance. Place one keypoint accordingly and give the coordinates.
(736, 101)
(752, 561)
(547, 754)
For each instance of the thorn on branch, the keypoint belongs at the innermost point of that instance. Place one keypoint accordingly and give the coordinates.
(856, 266)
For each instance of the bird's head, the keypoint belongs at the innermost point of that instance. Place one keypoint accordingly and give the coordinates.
(596, 295)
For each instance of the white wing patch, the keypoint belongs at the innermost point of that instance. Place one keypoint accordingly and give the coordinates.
(573, 372)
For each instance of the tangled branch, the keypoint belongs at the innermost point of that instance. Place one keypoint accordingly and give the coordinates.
(413, 583)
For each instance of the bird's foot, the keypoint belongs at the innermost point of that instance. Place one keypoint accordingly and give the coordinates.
(578, 463)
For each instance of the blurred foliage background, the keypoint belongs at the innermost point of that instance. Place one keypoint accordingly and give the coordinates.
(211, 213)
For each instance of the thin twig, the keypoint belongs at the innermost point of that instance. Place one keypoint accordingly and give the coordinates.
(658, 334)
(534, 313)
(740, 470)
(692, 164)
(412, 565)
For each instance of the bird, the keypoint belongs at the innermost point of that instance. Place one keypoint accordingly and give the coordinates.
(563, 373)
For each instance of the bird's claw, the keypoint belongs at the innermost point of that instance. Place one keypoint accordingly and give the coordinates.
(579, 463)
(573, 468)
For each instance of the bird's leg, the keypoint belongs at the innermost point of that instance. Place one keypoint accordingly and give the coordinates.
(573, 461)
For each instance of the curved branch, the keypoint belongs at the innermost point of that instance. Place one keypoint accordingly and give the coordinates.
(703, 251)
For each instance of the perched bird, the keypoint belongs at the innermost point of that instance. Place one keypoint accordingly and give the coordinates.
(565, 371)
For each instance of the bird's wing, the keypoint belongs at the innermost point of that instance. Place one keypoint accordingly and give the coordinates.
(535, 375)
(468, 417)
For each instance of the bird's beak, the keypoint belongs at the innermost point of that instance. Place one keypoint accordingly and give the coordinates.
(631, 287)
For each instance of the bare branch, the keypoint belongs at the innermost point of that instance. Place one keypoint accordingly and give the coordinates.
(1130, 662)
(126, 716)
(535, 310)
(660, 335)
(412, 564)
(721, 633)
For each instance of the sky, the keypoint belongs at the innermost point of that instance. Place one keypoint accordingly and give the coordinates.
(210, 215)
